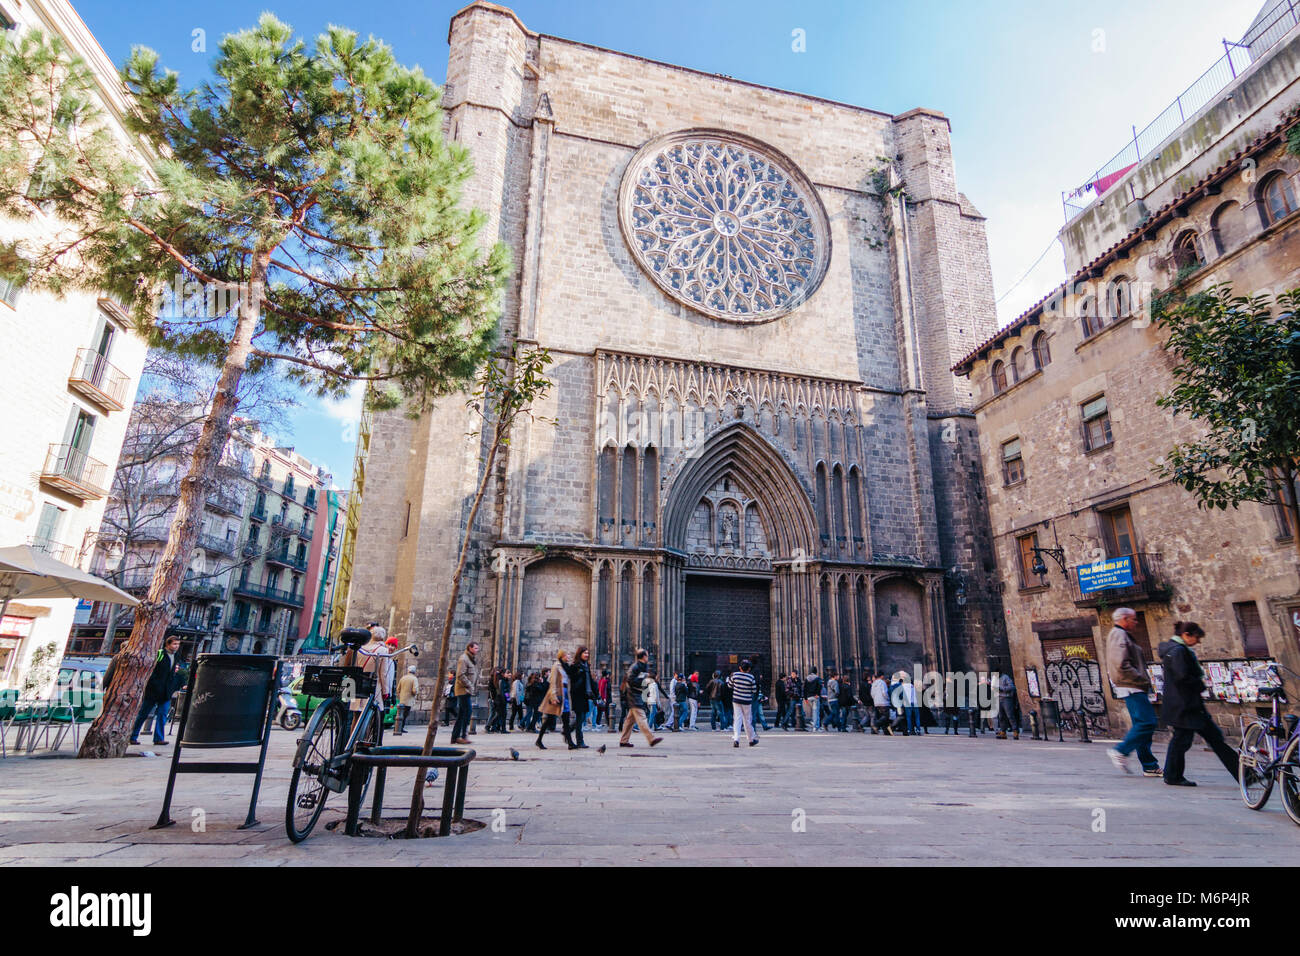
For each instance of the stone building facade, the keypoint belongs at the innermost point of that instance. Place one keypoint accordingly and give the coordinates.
(755, 445)
(1070, 435)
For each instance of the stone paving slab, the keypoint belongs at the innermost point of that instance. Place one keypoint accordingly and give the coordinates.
(797, 799)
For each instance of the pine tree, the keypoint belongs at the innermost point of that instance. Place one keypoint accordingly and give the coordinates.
(299, 214)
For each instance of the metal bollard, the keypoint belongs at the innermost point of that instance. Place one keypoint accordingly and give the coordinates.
(1033, 721)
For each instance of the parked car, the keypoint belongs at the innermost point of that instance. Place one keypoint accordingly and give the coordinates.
(308, 704)
(84, 675)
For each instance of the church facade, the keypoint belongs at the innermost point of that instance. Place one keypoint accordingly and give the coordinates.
(754, 445)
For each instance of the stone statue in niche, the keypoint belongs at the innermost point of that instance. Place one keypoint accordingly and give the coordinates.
(727, 529)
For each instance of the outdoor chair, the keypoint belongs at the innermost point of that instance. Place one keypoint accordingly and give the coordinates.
(30, 716)
(8, 711)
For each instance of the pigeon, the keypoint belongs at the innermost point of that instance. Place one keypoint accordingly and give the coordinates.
(430, 776)
(600, 749)
(514, 754)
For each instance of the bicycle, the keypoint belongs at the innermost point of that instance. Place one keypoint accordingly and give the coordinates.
(322, 763)
(1270, 751)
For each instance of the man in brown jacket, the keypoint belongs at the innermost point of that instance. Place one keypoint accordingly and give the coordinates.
(465, 688)
(1128, 674)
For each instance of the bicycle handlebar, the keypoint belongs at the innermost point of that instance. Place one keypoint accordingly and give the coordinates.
(412, 647)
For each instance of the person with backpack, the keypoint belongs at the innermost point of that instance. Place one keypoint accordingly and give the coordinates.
(168, 676)
(632, 692)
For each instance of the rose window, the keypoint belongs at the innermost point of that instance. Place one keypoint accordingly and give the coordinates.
(724, 224)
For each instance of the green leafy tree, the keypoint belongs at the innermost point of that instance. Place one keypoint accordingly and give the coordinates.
(508, 387)
(298, 214)
(1238, 377)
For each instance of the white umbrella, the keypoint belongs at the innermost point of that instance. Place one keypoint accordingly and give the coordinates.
(26, 572)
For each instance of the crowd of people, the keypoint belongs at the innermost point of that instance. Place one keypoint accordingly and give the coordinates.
(572, 696)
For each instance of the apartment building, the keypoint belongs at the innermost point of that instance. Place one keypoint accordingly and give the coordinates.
(73, 366)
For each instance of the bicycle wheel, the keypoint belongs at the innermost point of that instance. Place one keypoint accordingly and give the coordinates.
(307, 790)
(369, 738)
(1253, 775)
(1289, 773)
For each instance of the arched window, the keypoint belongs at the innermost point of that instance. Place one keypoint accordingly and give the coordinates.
(1279, 198)
(1118, 298)
(999, 377)
(1187, 251)
(1042, 354)
(1228, 227)
(1017, 365)
(1090, 317)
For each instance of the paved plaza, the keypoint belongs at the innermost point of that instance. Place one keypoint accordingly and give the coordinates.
(797, 798)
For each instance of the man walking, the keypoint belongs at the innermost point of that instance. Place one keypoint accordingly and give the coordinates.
(1184, 709)
(168, 676)
(681, 707)
(466, 687)
(1008, 707)
(407, 689)
(633, 688)
(1132, 683)
(743, 690)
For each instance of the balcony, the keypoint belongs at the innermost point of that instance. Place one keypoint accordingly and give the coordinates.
(73, 472)
(282, 525)
(95, 378)
(198, 586)
(263, 480)
(290, 491)
(287, 560)
(258, 513)
(59, 552)
(215, 545)
(1149, 584)
(275, 595)
(310, 501)
(224, 505)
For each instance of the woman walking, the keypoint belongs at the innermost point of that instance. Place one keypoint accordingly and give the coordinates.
(583, 690)
(558, 703)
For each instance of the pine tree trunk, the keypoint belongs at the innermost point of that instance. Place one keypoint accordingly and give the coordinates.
(109, 734)
(417, 791)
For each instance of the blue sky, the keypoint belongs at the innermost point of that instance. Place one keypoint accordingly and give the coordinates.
(1040, 92)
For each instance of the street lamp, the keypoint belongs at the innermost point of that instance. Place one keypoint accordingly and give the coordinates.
(1056, 554)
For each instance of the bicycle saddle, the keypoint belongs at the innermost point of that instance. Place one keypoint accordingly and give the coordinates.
(354, 636)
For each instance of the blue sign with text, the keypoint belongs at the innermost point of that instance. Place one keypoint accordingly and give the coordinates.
(1103, 575)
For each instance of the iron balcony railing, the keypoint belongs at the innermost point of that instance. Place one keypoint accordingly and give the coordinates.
(59, 552)
(209, 542)
(1236, 57)
(101, 382)
(1149, 584)
(309, 502)
(192, 585)
(226, 505)
(277, 595)
(258, 513)
(71, 470)
(288, 560)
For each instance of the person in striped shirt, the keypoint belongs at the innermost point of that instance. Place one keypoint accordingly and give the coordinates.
(743, 689)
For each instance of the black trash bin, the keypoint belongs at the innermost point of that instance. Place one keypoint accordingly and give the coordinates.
(228, 700)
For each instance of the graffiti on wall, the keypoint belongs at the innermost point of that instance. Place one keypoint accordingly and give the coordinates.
(1074, 681)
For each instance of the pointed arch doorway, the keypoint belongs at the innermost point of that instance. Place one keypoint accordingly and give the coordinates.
(740, 532)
